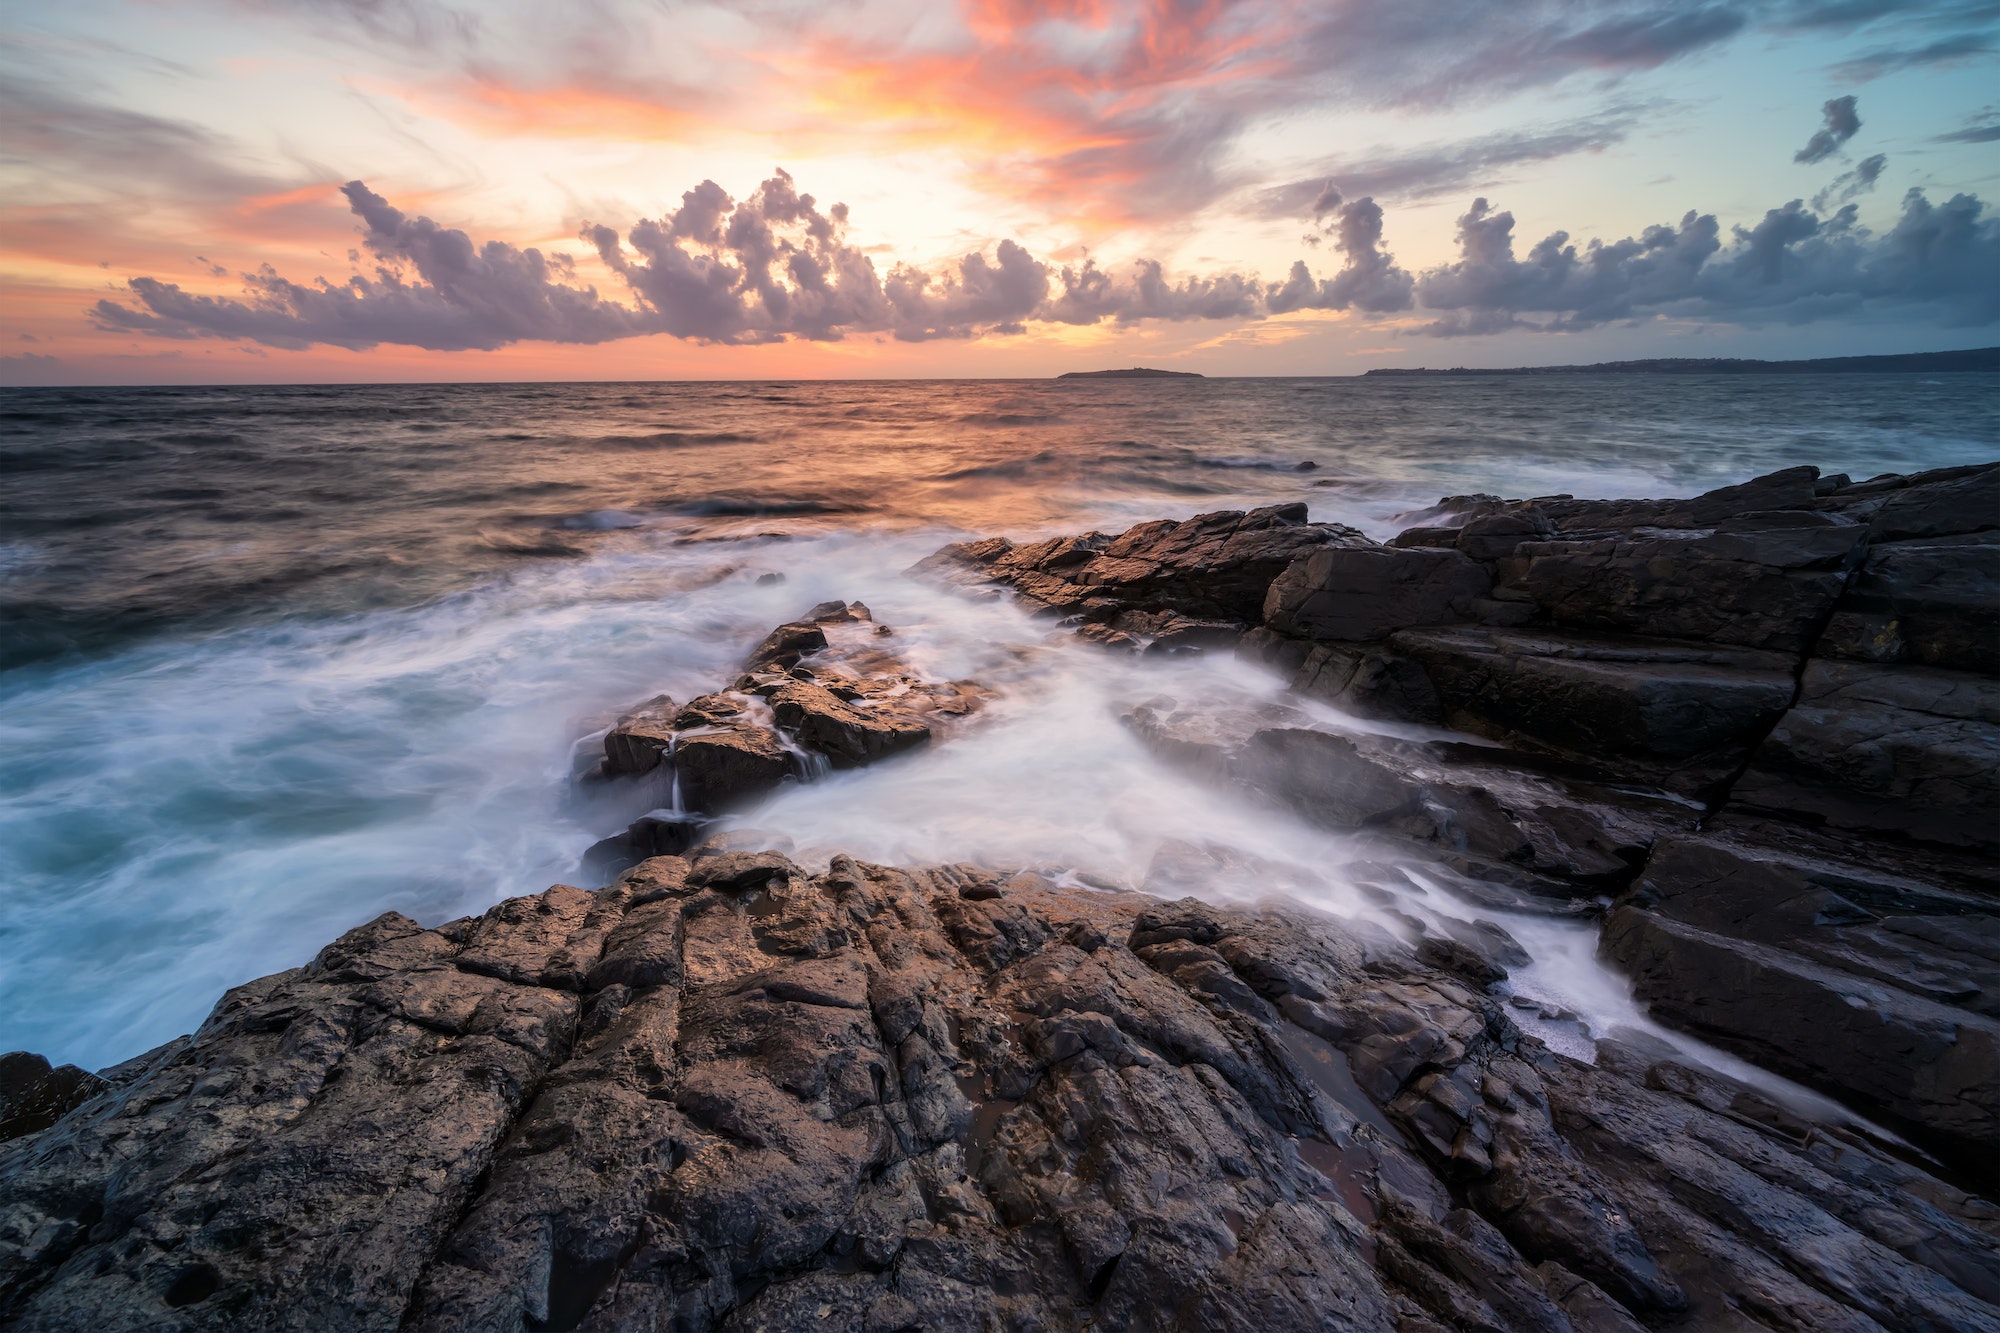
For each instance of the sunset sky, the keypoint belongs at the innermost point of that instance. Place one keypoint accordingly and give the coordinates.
(339, 190)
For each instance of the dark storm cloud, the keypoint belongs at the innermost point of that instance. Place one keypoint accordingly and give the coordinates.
(1792, 267)
(1960, 46)
(1852, 184)
(1840, 122)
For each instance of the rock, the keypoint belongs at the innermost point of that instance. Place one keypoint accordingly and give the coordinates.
(821, 691)
(1928, 1068)
(1676, 713)
(1931, 601)
(849, 735)
(1491, 536)
(1937, 504)
(640, 739)
(1212, 567)
(660, 834)
(726, 770)
(867, 1099)
(1364, 592)
(34, 1096)
(1902, 750)
(1541, 831)
(1760, 581)
(785, 645)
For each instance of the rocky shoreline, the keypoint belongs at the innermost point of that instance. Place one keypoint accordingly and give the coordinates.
(1754, 734)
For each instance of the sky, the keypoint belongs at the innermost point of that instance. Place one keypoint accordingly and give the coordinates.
(239, 191)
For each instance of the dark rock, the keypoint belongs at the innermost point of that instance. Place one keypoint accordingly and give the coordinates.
(848, 735)
(862, 1099)
(646, 837)
(1212, 567)
(722, 771)
(1761, 581)
(1931, 1069)
(1904, 750)
(639, 740)
(1932, 601)
(1940, 503)
(1479, 815)
(34, 1096)
(785, 645)
(821, 691)
(1365, 592)
(1491, 536)
(1678, 713)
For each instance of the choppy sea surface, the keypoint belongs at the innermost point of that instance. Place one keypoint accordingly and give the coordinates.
(275, 660)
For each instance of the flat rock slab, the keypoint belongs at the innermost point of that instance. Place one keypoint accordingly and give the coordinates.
(1881, 749)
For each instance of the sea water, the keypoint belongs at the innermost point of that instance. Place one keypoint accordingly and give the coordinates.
(276, 660)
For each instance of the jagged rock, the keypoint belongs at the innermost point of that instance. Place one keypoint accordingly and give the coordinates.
(1904, 750)
(34, 1096)
(822, 687)
(641, 738)
(737, 1095)
(723, 770)
(1477, 815)
(1365, 592)
(785, 645)
(849, 735)
(1935, 504)
(1215, 567)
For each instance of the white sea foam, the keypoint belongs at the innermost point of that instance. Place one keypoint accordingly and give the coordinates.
(200, 812)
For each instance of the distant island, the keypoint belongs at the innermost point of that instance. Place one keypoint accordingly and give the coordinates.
(1981, 358)
(1135, 373)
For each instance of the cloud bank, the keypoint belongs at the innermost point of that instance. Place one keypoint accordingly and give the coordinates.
(775, 265)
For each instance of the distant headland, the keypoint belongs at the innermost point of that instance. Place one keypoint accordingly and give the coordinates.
(1980, 358)
(1135, 373)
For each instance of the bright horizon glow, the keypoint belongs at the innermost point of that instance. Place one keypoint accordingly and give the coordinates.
(165, 162)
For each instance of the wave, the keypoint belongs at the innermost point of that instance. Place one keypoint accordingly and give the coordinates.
(725, 506)
(1257, 464)
(528, 543)
(1007, 418)
(1013, 467)
(673, 439)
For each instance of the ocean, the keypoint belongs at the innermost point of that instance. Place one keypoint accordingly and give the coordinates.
(275, 660)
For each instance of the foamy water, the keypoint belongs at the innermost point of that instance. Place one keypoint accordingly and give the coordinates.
(270, 725)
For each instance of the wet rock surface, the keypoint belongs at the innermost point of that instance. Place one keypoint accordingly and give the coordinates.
(1752, 735)
(730, 1094)
(825, 691)
(1176, 585)
(1811, 657)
